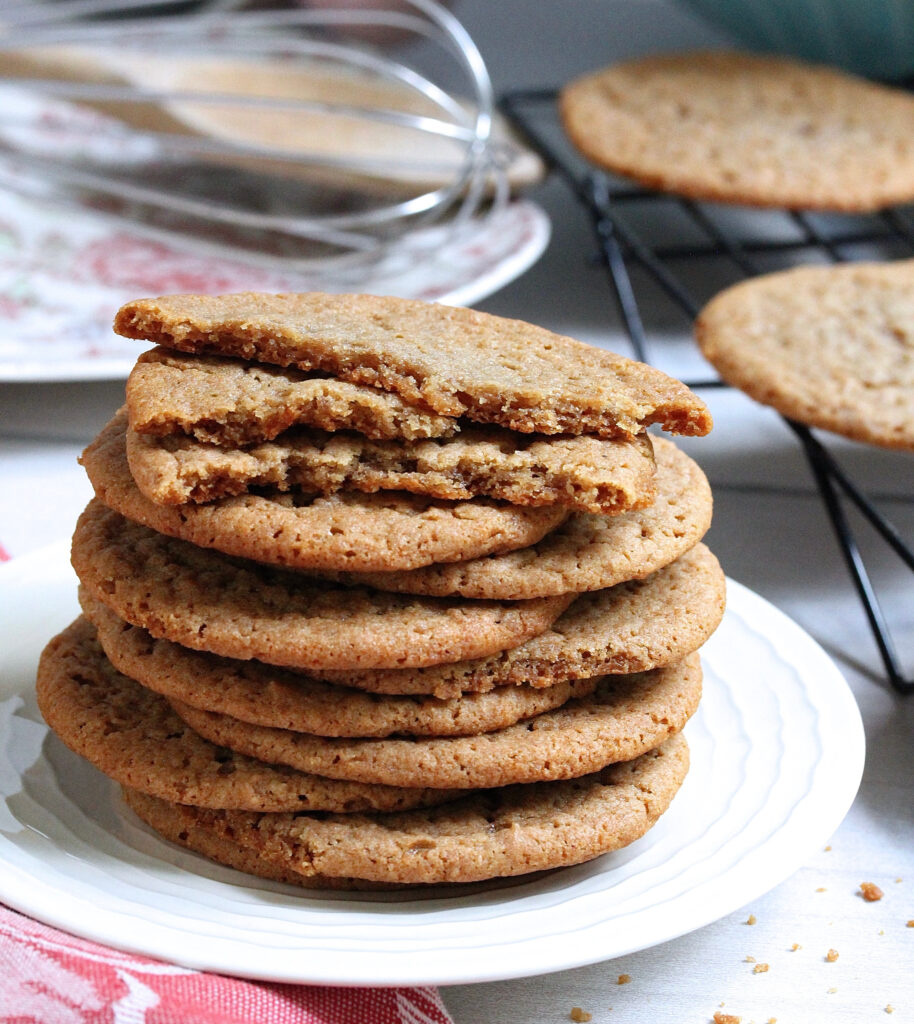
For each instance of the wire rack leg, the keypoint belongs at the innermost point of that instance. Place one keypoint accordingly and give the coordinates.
(822, 469)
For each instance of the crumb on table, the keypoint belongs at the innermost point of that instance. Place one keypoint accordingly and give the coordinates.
(795, 947)
(751, 919)
(760, 969)
(579, 1016)
(726, 1018)
(624, 979)
(831, 956)
(870, 892)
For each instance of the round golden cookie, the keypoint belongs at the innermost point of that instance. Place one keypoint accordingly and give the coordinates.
(191, 827)
(739, 128)
(209, 601)
(829, 346)
(494, 833)
(587, 552)
(282, 699)
(594, 474)
(632, 627)
(625, 716)
(132, 735)
(347, 530)
(452, 361)
(233, 402)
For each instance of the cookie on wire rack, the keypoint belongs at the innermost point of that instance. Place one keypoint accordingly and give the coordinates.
(738, 128)
(831, 346)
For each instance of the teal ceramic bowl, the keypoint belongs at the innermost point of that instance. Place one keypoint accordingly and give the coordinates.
(868, 37)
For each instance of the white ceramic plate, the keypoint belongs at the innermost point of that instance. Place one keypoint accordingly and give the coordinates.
(64, 273)
(777, 755)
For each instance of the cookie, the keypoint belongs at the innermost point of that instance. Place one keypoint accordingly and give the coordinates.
(632, 627)
(738, 128)
(587, 552)
(623, 717)
(452, 361)
(233, 402)
(132, 735)
(263, 695)
(496, 833)
(190, 827)
(604, 475)
(829, 346)
(210, 601)
(347, 530)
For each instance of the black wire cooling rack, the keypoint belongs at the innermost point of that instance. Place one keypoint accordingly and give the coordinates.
(692, 233)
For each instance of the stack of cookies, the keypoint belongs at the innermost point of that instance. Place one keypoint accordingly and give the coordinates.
(377, 592)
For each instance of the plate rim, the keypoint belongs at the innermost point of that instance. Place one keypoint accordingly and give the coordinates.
(495, 277)
(43, 903)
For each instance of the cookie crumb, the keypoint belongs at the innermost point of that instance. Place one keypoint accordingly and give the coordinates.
(870, 892)
(795, 947)
(897, 880)
(832, 991)
(726, 1018)
(624, 979)
(910, 923)
(821, 889)
(749, 960)
(827, 849)
(772, 1020)
(831, 956)
(889, 1008)
(579, 1016)
(760, 969)
(751, 919)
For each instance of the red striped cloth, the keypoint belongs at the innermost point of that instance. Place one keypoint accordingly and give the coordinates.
(49, 977)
